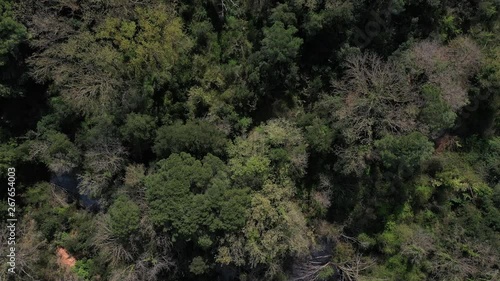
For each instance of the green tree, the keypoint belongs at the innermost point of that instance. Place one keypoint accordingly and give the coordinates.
(138, 131)
(275, 229)
(84, 71)
(125, 217)
(404, 153)
(235, 46)
(276, 59)
(55, 150)
(45, 206)
(437, 114)
(280, 48)
(112, 64)
(192, 198)
(12, 33)
(318, 133)
(198, 266)
(276, 149)
(196, 137)
(9, 156)
(151, 43)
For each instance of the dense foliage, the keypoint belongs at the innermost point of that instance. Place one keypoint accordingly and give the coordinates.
(252, 140)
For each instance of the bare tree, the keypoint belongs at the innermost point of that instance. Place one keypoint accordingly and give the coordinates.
(310, 269)
(336, 253)
(351, 270)
(29, 248)
(224, 6)
(109, 245)
(106, 157)
(378, 98)
(103, 161)
(131, 264)
(88, 82)
(448, 67)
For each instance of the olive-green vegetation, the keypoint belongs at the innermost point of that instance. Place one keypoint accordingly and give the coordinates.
(252, 140)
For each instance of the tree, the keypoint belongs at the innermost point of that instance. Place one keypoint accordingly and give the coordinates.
(198, 266)
(280, 47)
(56, 151)
(104, 155)
(196, 137)
(115, 64)
(12, 34)
(86, 72)
(404, 153)
(276, 149)
(436, 116)
(318, 133)
(47, 208)
(234, 42)
(192, 198)
(275, 61)
(275, 228)
(377, 99)
(447, 67)
(151, 43)
(138, 131)
(9, 154)
(101, 164)
(125, 217)
(30, 248)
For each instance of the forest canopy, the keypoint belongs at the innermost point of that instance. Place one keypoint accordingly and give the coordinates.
(251, 140)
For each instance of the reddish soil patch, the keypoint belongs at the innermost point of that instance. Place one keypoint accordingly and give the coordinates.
(64, 258)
